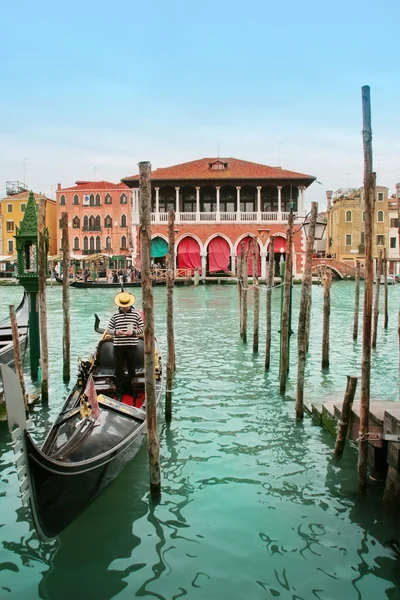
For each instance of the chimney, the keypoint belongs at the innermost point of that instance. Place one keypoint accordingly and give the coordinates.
(329, 194)
(59, 186)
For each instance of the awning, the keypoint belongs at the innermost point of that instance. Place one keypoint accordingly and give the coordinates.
(189, 254)
(279, 245)
(8, 258)
(218, 255)
(159, 247)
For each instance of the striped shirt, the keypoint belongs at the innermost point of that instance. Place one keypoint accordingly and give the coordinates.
(123, 321)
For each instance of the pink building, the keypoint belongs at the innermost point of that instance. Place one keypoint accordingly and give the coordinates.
(99, 217)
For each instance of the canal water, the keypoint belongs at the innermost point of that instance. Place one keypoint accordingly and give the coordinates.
(253, 506)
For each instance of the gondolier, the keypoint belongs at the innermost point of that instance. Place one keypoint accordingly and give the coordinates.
(125, 325)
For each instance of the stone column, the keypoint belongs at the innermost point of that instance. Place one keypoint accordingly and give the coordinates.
(238, 203)
(157, 215)
(217, 187)
(197, 203)
(263, 260)
(177, 214)
(279, 187)
(203, 264)
(233, 262)
(259, 203)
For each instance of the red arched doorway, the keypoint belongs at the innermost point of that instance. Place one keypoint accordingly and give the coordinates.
(189, 254)
(279, 252)
(218, 255)
(246, 241)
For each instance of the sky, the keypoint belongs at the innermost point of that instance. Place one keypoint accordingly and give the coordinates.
(89, 89)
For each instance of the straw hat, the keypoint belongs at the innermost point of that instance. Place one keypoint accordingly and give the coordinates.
(124, 299)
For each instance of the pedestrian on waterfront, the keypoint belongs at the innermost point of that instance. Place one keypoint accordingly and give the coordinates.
(125, 325)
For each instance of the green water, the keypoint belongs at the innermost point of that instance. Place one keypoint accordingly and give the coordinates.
(253, 506)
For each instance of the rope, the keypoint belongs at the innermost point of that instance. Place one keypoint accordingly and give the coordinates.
(265, 289)
(343, 422)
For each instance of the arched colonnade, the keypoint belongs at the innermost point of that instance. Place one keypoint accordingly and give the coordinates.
(218, 254)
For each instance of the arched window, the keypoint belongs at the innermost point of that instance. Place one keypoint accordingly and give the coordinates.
(123, 242)
(123, 199)
(107, 199)
(91, 243)
(62, 200)
(76, 243)
(108, 243)
(108, 221)
(85, 223)
(349, 216)
(97, 199)
(98, 243)
(91, 200)
(123, 221)
(85, 243)
(76, 222)
(380, 216)
(76, 199)
(91, 222)
(97, 223)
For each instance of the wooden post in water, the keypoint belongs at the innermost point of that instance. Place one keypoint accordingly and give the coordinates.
(308, 318)
(345, 416)
(242, 255)
(369, 195)
(285, 325)
(270, 284)
(170, 314)
(305, 303)
(256, 296)
(356, 301)
(245, 271)
(377, 293)
(385, 289)
(327, 280)
(148, 312)
(239, 268)
(42, 272)
(17, 352)
(67, 328)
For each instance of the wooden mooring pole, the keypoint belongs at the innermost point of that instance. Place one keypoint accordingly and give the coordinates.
(305, 303)
(356, 301)
(17, 352)
(369, 195)
(327, 280)
(42, 271)
(148, 311)
(270, 284)
(239, 284)
(377, 293)
(256, 296)
(285, 324)
(171, 365)
(242, 267)
(385, 289)
(245, 271)
(66, 306)
(345, 416)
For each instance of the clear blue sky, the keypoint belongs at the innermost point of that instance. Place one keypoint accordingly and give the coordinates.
(91, 88)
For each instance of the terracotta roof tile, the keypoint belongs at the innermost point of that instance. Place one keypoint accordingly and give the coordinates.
(236, 169)
(25, 196)
(95, 186)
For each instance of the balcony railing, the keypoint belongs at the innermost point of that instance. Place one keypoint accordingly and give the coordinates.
(221, 217)
(91, 228)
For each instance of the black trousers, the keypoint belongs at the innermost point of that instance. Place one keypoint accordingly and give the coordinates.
(124, 355)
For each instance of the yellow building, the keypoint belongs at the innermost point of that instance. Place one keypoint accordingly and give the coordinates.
(12, 210)
(346, 224)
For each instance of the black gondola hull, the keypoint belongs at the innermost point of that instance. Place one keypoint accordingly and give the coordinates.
(60, 494)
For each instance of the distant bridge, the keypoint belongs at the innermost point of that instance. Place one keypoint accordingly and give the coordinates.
(341, 268)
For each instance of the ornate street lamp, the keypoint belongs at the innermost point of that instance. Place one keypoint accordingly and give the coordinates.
(320, 227)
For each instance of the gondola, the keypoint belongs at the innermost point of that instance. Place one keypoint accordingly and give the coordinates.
(6, 341)
(100, 284)
(81, 454)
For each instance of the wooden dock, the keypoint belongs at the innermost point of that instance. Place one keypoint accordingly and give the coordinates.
(384, 438)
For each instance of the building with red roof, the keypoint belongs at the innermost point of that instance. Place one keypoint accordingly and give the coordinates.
(99, 217)
(218, 203)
